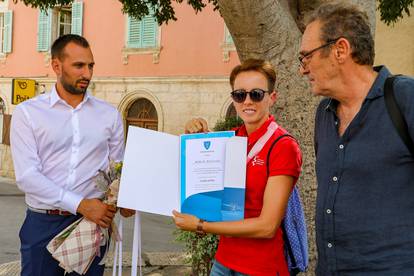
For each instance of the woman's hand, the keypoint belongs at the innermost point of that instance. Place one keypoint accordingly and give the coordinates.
(185, 222)
(196, 125)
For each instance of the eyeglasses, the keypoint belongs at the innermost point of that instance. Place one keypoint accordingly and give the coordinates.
(309, 54)
(256, 95)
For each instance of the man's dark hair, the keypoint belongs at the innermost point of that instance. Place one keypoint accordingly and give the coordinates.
(257, 65)
(340, 19)
(59, 45)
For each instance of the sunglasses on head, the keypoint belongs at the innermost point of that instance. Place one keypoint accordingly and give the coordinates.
(256, 95)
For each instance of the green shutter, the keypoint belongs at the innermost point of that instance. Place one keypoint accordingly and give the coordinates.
(133, 33)
(149, 31)
(44, 30)
(77, 14)
(228, 38)
(143, 33)
(8, 28)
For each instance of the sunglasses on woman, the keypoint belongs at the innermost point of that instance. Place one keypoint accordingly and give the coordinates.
(256, 95)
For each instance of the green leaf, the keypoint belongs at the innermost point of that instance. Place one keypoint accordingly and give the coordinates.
(228, 123)
(200, 249)
(392, 10)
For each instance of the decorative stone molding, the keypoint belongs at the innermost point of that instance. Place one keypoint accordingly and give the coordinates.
(6, 101)
(226, 105)
(155, 51)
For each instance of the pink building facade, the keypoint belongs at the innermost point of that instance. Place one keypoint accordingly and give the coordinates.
(191, 46)
(157, 76)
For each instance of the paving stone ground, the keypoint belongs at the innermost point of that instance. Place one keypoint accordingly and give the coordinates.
(156, 264)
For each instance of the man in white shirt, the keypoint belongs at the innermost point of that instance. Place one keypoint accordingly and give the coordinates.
(59, 141)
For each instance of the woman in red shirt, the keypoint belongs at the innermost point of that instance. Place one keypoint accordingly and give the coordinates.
(254, 245)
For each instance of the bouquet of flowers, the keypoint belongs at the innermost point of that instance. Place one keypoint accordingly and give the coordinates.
(77, 245)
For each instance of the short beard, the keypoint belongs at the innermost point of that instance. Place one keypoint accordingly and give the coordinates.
(72, 89)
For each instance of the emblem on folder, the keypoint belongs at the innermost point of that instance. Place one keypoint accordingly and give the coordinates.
(207, 144)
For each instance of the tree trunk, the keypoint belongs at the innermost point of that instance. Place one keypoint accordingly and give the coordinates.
(267, 29)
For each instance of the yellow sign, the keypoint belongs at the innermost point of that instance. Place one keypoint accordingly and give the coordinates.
(22, 89)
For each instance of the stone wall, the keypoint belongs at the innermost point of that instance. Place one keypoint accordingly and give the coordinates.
(6, 165)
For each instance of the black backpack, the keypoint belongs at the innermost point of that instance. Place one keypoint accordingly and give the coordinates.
(395, 113)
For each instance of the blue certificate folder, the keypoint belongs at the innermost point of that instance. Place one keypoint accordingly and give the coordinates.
(201, 174)
(212, 175)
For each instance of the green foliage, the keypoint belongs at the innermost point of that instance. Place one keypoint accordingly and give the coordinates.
(162, 9)
(393, 10)
(199, 249)
(44, 4)
(228, 123)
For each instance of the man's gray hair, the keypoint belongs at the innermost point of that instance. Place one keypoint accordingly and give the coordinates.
(341, 19)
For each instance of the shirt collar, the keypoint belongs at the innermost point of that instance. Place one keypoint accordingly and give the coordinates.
(54, 98)
(377, 88)
(331, 105)
(255, 135)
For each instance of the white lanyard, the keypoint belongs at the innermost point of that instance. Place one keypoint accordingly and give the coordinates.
(262, 141)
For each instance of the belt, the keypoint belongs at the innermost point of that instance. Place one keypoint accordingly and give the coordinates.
(50, 212)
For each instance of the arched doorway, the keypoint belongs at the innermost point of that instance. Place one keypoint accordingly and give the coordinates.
(142, 113)
(2, 106)
(231, 111)
(5, 120)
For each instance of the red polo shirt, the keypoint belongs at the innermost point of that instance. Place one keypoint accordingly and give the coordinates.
(260, 257)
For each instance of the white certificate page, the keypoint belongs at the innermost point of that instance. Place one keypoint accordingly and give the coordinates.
(150, 174)
(205, 160)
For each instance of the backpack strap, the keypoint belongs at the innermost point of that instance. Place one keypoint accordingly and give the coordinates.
(285, 238)
(271, 147)
(395, 113)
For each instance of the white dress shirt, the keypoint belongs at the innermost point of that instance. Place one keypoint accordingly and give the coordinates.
(58, 149)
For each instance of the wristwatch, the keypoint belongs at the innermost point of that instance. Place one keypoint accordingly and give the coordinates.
(200, 230)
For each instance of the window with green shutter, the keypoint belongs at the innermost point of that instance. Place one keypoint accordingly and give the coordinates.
(142, 33)
(228, 39)
(44, 26)
(134, 33)
(7, 33)
(77, 17)
(57, 22)
(1, 32)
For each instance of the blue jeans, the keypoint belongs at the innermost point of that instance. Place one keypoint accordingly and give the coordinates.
(220, 270)
(36, 232)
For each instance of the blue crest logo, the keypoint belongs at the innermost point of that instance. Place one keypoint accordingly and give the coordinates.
(207, 144)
